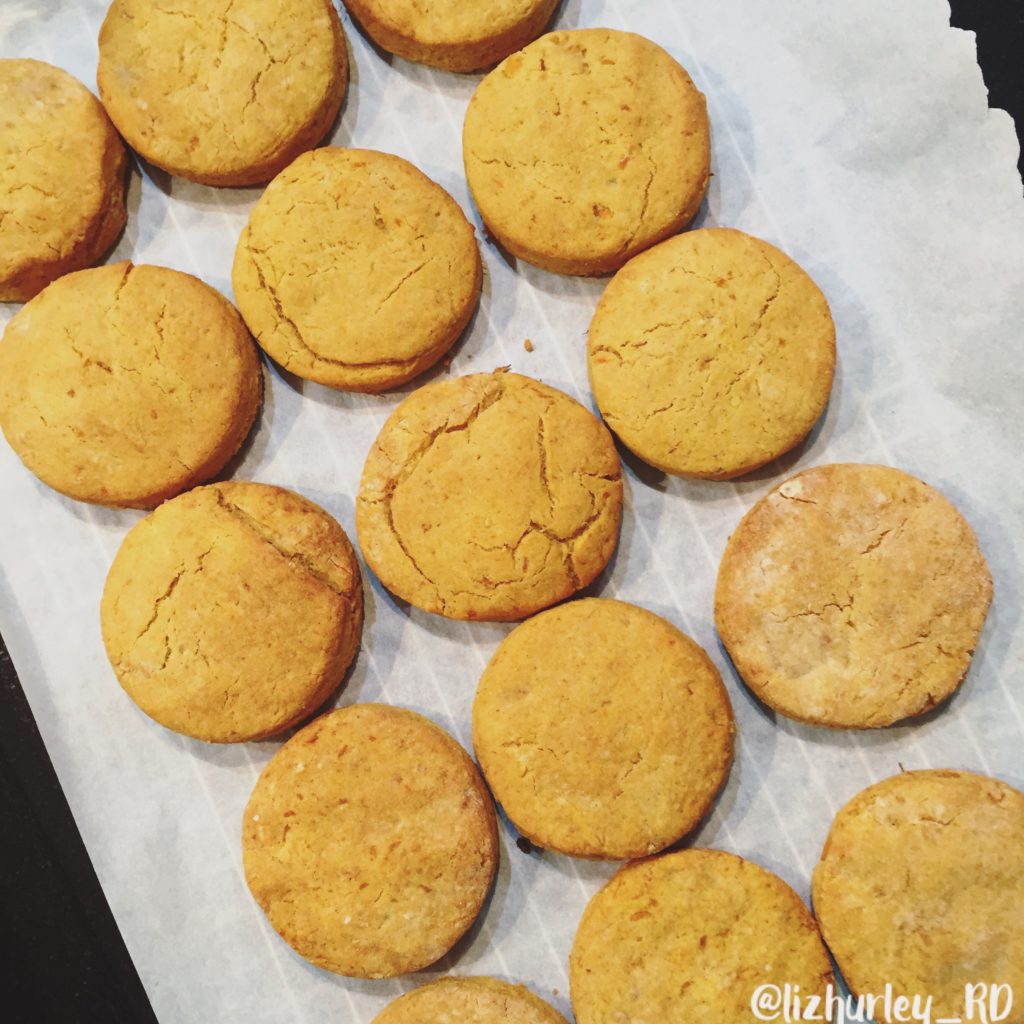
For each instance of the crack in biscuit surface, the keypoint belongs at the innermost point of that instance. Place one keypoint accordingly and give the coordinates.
(125, 385)
(711, 354)
(222, 91)
(852, 596)
(468, 510)
(232, 611)
(356, 270)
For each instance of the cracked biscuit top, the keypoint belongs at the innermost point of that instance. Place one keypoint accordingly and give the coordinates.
(233, 611)
(452, 34)
(370, 841)
(602, 730)
(711, 354)
(687, 938)
(62, 178)
(585, 148)
(126, 385)
(852, 596)
(356, 270)
(469, 1001)
(921, 886)
(224, 92)
(489, 497)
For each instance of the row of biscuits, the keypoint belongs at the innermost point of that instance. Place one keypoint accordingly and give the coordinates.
(195, 599)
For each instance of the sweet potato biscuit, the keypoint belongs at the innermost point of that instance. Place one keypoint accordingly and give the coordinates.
(852, 596)
(711, 354)
(469, 1001)
(125, 385)
(370, 841)
(921, 886)
(224, 92)
(452, 34)
(62, 178)
(489, 497)
(585, 148)
(687, 938)
(356, 270)
(233, 611)
(564, 731)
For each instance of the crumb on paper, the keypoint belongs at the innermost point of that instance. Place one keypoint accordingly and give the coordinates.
(528, 345)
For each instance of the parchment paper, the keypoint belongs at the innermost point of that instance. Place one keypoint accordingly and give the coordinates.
(855, 136)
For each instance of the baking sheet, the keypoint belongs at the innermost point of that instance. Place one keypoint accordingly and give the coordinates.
(857, 137)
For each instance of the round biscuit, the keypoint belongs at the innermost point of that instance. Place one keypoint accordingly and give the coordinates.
(565, 735)
(233, 611)
(852, 596)
(125, 385)
(370, 842)
(489, 496)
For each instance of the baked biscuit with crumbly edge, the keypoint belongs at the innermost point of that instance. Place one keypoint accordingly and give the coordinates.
(564, 734)
(586, 148)
(489, 496)
(223, 92)
(356, 270)
(469, 1001)
(852, 596)
(451, 34)
(711, 354)
(233, 611)
(125, 385)
(920, 887)
(62, 178)
(687, 938)
(370, 841)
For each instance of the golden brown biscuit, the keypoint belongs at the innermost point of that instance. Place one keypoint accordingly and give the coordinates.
(687, 938)
(62, 178)
(711, 354)
(921, 887)
(564, 731)
(852, 596)
(370, 841)
(224, 92)
(126, 385)
(452, 34)
(233, 611)
(469, 1001)
(586, 148)
(489, 497)
(356, 270)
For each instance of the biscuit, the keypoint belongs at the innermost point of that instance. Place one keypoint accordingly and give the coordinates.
(920, 887)
(125, 385)
(585, 148)
(370, 842)
(852, 596)
(711, 354)
(224, 93)
(233, 611)
(469, 1001)
(564, 731)
(356, 270)
(62, 178)
(451, 34)
(687, 938)
(489, 497)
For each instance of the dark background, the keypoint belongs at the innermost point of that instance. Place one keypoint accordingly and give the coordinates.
(62, 959)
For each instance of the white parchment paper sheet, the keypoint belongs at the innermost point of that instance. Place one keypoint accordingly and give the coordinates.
(855, 136)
